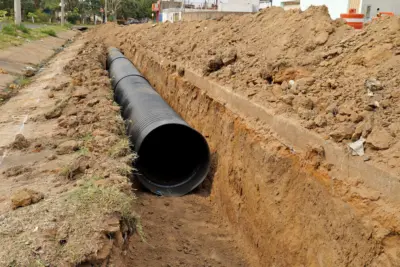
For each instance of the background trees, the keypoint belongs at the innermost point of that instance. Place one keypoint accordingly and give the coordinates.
(82, 11)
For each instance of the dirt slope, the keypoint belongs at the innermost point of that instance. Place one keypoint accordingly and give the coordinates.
(338, 82)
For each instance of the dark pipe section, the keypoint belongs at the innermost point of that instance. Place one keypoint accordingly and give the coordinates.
(173, 157)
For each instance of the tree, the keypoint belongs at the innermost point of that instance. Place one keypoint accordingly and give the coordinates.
(114, 5)
(136, 8)
(33, 16)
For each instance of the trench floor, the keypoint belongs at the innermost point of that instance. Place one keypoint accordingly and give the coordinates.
(183, 231)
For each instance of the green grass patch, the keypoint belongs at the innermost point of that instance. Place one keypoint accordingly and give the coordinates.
(12, 35)
(9, 30)
(49, 32)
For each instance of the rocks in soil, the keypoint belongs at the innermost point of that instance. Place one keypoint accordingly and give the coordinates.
(25, 197)
(29, 72)
(344, 131)
(287, 99)
(214, 64)
(229, 57)
(181, 71)
(20, 142)
(304, 102)
(321, 121)
(67, 147)
(321, 38)
(80, 92)
(56, 111)
(16, 170)
(373, 85)
(379, 139)
(267, 74)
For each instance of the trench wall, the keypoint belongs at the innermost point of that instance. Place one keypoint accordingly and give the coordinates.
(286, 208)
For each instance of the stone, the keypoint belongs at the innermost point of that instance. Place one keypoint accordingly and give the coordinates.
(356, 118)
(93, 102)
(266, 74)
(371, 106)
(344, 131)
(373, 85)
(81, 92)
(229, 57)
(304, 102)
(379, 139)
(394, 129)
(29, 72)
(67, 147)
(181, 71)
(287, 99)
(320, 121)
(50, 95)
(25, 197)
(332, 53)
(321, 38)
(277, 90)
(20, 142)
(214, 64)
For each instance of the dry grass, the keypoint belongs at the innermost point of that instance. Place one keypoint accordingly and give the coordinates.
(77, 220)
(120, 149)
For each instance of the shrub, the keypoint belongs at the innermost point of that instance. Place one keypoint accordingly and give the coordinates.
(9, 29)
(23, 29)
(41, 16)
(50, 32)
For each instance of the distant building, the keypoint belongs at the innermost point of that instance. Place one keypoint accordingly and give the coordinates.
(238, 5)
(337, 7)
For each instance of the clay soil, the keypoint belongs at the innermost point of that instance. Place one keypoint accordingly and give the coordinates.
(335, 81)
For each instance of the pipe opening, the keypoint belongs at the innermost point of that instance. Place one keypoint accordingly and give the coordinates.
(173, 154)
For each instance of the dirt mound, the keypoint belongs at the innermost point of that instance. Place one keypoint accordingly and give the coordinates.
(334, 80)
(72, 196)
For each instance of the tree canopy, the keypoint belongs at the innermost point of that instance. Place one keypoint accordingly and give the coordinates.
(78, 10)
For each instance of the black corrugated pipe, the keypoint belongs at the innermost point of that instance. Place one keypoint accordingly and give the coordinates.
(173, 157)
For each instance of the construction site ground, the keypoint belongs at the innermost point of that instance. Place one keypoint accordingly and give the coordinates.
(279, 95)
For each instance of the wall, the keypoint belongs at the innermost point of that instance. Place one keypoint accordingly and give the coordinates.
(383, 5)
(204, 15)
(336, 7)
(235, 5)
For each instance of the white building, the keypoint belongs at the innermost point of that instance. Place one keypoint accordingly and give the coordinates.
(337, 7)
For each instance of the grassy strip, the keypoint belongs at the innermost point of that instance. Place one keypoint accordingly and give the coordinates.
(12, 35)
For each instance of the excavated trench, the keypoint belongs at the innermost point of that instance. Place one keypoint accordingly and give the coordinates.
(281, 206)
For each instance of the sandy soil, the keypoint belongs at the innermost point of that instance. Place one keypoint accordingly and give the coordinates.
(337, 82)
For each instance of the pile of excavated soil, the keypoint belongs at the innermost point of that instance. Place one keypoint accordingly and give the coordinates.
(337, 82)
(65, 195)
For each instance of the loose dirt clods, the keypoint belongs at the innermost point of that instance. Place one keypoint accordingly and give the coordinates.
(280, 58)
(304, 74)
(71, 208)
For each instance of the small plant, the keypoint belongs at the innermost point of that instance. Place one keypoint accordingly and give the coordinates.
(49, 32)
(9, 30)
(23, 29)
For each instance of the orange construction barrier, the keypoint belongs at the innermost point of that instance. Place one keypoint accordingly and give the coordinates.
(353, 19)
